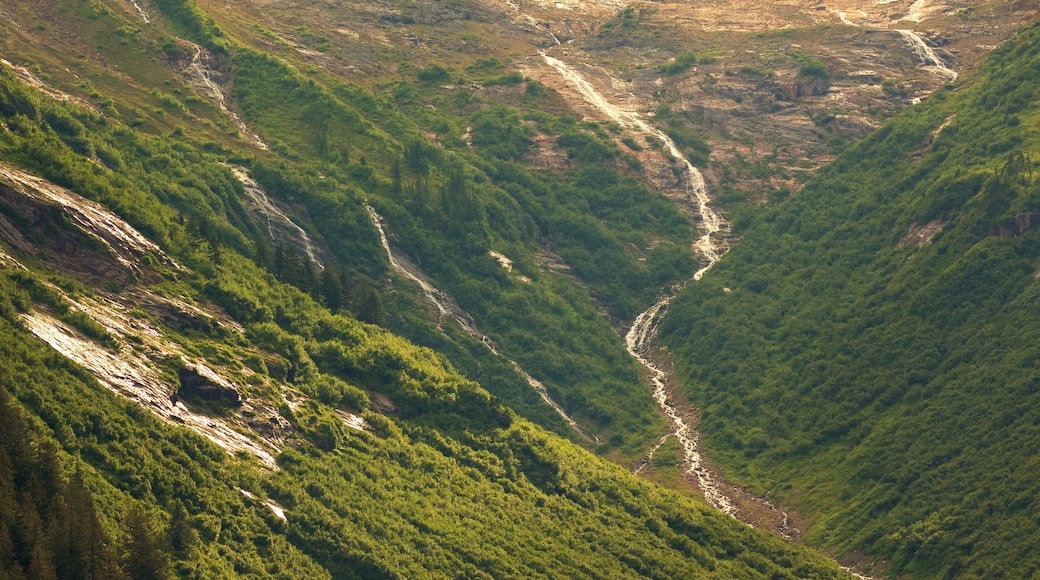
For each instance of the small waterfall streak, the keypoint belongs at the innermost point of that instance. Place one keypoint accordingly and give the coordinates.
(639, 341)
(931, 60)
(695, 187)
(916, 11)
(433, 295)
(540, 389)
(201, 73)
(276, 218)
(447, 308)
(140, 11)
(843, 17)
(650, 456)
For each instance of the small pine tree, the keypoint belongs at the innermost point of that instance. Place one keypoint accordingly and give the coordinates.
(143, 558)
(182, 537)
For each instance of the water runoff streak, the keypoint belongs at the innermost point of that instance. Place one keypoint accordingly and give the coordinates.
(932, 62)
(280, 227)
(446, 307)
(640, 338)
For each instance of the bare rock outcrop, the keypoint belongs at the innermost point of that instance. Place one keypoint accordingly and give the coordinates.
(195, 382)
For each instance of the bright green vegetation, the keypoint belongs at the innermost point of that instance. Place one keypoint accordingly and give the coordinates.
(453, 483)
(449, 481)
(410, 501)
(884, 388)
(449, 207)
(335, 146)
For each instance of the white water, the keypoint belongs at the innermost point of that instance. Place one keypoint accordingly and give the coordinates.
(140, 11)
(202, 74)
(279, 226)
(844, 18)
(446, 307)
(933, 63)
(712, 222)
(650, 456)
(917, 11)
(639, 339)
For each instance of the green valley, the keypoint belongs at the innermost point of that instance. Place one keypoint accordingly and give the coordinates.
(302, 289)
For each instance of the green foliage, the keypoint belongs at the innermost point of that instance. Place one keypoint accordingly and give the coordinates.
(449, 481)
(679, 64)
(881, 380)
(809, 66)
(188, 20)
(626, 19)
(49, 524)
(434, 73)
(498, 130)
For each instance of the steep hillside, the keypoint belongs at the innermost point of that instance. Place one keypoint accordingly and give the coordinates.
(867, 352)
(347, 451)
(208, 261)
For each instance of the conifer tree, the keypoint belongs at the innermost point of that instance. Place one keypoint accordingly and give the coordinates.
(143, 558)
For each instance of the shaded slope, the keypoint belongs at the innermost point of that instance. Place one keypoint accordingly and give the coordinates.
(865, 351)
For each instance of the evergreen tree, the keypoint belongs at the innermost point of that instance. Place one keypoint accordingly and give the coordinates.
(40, 567)
(82, 548)
(143, 558)
(182, 537)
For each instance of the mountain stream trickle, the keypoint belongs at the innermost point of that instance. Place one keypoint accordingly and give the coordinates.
(640, 337)
(200, 75)
(279, 226)
(927, 54)
(447, 307)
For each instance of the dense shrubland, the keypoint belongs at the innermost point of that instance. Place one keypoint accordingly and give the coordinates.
(883, 387)
(450, 481)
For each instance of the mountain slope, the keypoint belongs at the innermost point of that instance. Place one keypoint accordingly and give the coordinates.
(866, 352)
(172, 338)
(449, 481)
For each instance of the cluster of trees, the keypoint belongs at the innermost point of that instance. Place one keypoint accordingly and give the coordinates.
(448, 207)
(881, 380)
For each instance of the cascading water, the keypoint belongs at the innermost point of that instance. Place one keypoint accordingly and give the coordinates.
(279, 226)
(927, 54)
(639, 339)
(141, 12)
(446, 307)
(201, 77)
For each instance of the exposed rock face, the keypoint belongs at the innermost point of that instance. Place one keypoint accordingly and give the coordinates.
(1024, 221)
(918, 236)
(62, 227)
(789, 91)
(197, 383)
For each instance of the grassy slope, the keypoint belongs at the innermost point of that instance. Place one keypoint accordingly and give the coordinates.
(550, 325)
(889, 391)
